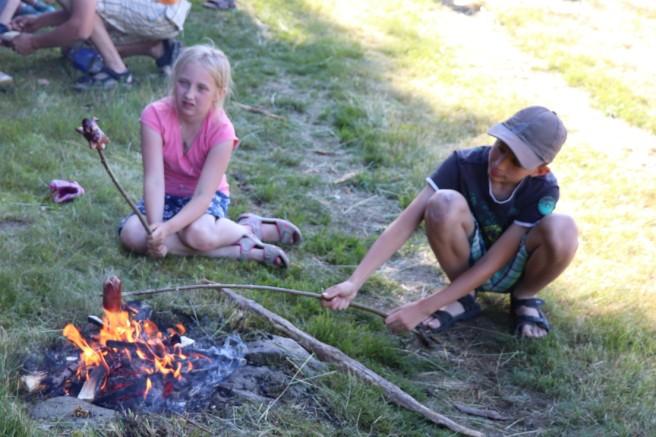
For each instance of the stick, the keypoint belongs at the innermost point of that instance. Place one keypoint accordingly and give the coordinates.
(423, 339)
(97, 140)
(334, 355)
(256, 110)
(213, 285)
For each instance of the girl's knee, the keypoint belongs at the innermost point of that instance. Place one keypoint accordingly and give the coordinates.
(198, 237)
(132, 239)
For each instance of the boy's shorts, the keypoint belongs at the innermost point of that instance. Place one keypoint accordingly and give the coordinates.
(139, 20)
(505, 278)
(173, 204)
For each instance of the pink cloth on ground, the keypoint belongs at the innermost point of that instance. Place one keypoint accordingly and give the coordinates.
(181, 171)
(64, 191)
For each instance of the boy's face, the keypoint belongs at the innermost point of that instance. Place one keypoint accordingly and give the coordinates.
(504, 168)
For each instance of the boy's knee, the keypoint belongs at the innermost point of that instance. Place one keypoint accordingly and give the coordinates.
(560, 234)
(445, 207)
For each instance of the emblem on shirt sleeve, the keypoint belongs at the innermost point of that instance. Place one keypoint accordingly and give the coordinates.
(546, 205)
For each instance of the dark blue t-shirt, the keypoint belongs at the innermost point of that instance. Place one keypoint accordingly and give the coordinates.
(465, 171)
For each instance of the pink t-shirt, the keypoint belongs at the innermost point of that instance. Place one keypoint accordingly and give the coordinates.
(181, 171)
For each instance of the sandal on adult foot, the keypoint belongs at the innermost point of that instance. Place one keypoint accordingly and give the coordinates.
(520, 320)
(165, 62)
(288, 232)
(272, 255)
(105, 80)
(471, 309)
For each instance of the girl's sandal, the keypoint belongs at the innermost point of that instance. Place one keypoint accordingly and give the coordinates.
(289, 233)
(273, 255)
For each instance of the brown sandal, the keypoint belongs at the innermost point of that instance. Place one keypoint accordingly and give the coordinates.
(273, 255)
(289, 233)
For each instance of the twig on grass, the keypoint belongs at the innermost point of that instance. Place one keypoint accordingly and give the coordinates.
(194, 423)
(339, 358)
(258, 110)
(97, 140)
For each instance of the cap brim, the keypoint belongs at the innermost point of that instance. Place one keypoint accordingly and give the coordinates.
(522, 151)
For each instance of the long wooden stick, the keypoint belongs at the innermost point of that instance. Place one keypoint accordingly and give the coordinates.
(97, 140)
(214, 285)
(334, 355)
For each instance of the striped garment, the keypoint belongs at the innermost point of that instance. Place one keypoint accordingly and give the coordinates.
(139, 20)
(503, 280)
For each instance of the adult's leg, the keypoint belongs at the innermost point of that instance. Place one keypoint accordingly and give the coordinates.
(7, 10)
(102, 41)
(551, 246)
(152, 48)
(449, 223)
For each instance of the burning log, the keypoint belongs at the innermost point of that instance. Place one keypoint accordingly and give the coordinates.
(34, 381)
(334, 355)
(94, 381)
(97, 141)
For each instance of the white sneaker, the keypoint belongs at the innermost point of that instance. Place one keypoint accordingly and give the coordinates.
(5, 79)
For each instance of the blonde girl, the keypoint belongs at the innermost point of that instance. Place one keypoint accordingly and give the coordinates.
(187, 141)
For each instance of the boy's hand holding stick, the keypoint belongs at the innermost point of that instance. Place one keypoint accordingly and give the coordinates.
(97, 141)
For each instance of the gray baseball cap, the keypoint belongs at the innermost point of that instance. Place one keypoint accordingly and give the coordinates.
(535, 134)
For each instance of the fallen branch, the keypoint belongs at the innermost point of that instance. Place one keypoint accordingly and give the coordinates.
(97, 140)
(334, 355)
(258, 110)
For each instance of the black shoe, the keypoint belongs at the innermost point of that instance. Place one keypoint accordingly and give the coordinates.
(165, 62)
(105, 80)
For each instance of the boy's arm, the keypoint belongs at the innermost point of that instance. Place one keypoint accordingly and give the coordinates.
(410, 315)
(339, 296)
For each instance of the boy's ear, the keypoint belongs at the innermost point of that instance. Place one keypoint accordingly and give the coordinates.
(541, 170)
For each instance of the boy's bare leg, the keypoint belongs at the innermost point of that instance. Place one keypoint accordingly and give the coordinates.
(449, 223)
(551, 245)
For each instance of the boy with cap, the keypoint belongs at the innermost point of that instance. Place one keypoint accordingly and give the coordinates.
(488, 219)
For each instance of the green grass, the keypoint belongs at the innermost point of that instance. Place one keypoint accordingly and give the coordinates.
(381, 90)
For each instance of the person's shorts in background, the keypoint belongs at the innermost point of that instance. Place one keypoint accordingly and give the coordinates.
(173, 204)
(139, 20)
(503, 280)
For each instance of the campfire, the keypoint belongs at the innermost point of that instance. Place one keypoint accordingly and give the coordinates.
(129, 363)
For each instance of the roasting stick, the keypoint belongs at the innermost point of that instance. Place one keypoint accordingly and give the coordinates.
(423, 339)
(97, 141)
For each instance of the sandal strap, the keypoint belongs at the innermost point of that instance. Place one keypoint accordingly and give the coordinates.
(287, 231)
(532, 302)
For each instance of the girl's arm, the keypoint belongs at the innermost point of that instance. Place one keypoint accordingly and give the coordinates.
(153, 163)
(214, 168)
(502, 251)
(397, 233)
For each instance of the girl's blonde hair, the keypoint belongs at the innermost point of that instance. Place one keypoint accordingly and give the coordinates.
(214, 60)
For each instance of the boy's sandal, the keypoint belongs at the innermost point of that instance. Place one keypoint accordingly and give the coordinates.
(105, 80)
(289, 233)
(518, 321)
(471, 310)
(273, 255)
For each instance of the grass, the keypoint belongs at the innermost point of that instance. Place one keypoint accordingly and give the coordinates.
(378, 90)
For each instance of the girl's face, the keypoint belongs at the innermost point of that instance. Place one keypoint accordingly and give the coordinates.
(195, 92)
